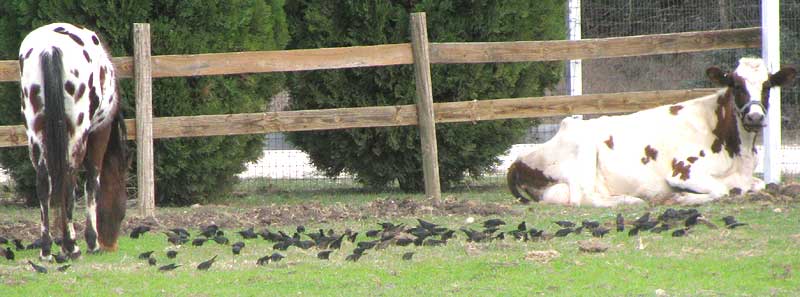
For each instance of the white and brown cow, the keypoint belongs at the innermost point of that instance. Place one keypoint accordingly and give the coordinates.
(697, 151)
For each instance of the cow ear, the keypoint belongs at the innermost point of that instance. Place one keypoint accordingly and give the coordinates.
(784, 78)
(718, 77)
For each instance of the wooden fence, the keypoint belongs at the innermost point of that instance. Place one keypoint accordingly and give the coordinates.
(424, 114)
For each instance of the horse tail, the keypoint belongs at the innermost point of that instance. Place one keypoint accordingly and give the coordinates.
(511, 178)
(55, 129)
(113, 181)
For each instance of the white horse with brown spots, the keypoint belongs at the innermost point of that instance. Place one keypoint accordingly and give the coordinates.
(695, 151)
(73, 120)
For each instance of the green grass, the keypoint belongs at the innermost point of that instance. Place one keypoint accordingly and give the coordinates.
(756, 260)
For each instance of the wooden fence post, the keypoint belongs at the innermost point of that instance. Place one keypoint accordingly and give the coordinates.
(427, 126)
(144, 119)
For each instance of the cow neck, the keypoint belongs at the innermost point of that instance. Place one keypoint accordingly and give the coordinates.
(726, 129)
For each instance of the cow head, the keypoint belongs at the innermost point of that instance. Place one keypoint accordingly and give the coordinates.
(749, 87)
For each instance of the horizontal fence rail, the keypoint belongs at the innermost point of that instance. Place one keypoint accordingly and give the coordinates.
(391, 116)
(441, 53)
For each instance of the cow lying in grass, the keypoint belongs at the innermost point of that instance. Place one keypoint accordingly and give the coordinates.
(697, 151)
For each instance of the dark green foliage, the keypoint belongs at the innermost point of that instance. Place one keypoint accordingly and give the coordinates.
(380, 156)
(187, 170)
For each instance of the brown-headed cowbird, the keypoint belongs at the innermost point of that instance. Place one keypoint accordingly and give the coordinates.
(168, 267)
(205, 265)
(145, 255)
(39, 269)
(324, 255)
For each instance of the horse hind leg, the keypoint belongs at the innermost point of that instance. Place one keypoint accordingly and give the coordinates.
(93, 164)
(43, 193)
(69, 246)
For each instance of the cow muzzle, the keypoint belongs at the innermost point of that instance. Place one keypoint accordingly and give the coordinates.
(753, 115)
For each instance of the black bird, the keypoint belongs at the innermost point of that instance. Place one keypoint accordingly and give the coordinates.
(447, 235)
(590, 224)
(39, 269)
(420, 232)
(283, 245)
(301, 229)
(634, 231)
(372, 233)
(474, 236)
(358, 250)
(304, 244)
(275, 257)
(353, 257)
(263, 260)
(145, 255)
(7, 253)
(564, 232)
(407, 256)
(403, 241)
(36, 244)
(324, 255)
(139, 230)
(535, 233)
(151, 261)
(647, 225)
(168, 267)
(669, 215)
(679, 233)
(434, 242)
(642, 220)
(427, 225)
(180, 231)
(3, 240)
(565, 224)
(221, 239)
(199, 241)
(367, 244)
(175, 238)
(18, 244)
(500, 236)
(337, 244)
(600, 232)
(731, 223)
(209, 231)
(248, 234)
(522, 227)
(172, 254)
(490, 231)
(236, 248)
(205, 265)
(63, 268)
(61, 258)
(351, 236)
(692, 220)
(492, 223)
(269, 235)
(620, 223)
(578, 230)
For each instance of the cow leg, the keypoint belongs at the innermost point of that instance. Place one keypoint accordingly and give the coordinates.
(43, 192)
(702, 188)
(582, 174)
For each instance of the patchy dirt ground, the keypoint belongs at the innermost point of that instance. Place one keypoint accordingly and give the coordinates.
(307, 213)
(315, 212)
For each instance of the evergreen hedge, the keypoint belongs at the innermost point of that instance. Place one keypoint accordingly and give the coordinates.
(380, 156)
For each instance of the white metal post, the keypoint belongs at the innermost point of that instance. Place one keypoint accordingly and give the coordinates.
(770, 52)
(574, 74)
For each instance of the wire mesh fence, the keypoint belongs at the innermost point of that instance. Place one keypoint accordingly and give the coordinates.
(282, 163)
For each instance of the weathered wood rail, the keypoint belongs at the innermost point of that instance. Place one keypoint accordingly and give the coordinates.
(419, 53)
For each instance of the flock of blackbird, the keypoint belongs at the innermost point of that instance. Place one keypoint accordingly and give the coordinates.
(426, 234)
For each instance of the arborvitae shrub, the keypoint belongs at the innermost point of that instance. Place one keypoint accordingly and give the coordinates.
(381, 156)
